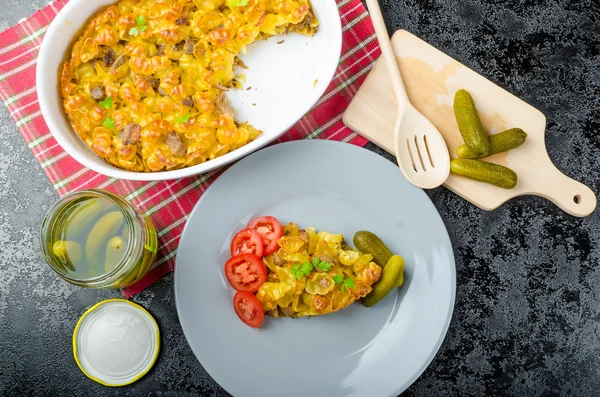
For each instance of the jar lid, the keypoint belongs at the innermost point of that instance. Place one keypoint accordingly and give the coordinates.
(116, 342)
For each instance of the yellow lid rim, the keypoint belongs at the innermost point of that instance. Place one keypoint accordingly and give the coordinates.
(141, 374)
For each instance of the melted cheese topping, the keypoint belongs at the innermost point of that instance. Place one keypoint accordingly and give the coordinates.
(144, 85)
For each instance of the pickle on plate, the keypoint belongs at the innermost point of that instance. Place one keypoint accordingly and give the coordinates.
(371, 244)
(390, 275)
(69, 252)
(115, 249)
(469, 124)
(500, 142)
(481, 171)
(103, 230)
(83, 217)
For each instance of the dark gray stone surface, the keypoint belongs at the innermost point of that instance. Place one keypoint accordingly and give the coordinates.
(527, 316)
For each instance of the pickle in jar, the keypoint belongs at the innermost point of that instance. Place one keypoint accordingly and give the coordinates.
(90, 237)
(95, 239)
(115, 251)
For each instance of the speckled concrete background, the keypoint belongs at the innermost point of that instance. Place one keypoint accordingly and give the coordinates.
(527, 316)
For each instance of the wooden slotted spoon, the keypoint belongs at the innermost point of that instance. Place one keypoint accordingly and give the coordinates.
(421, 151)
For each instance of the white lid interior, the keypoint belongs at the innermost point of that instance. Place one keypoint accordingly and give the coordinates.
(116, 342)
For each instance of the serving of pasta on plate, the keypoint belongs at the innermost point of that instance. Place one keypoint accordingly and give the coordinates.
(145, 84)
(285, 271)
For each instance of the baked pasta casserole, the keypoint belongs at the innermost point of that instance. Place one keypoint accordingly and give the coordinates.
(144, 86)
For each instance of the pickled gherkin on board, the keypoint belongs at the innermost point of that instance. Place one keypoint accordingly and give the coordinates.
(469, 124)
(499, 143)
(481, 171)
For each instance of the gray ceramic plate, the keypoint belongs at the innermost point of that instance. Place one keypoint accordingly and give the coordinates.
(358, 351)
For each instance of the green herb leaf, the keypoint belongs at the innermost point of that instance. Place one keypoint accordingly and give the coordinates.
(323, 266)
(237, 3)
(306, 268)
(315, 261)
(106, 104)
(296, 272)
(301, 270)
(109, 124)
(338, 278)
(184, 118)
(349, 282)
(141, 25)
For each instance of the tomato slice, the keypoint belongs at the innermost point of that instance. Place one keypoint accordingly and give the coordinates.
(270, 231)
(247, 241)
(246, 272)
(248, 308)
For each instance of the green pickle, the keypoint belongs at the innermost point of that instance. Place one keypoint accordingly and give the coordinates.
(469, 124)
(115, 250)
(95, 239)
(146, 264)
(371, 244)
(481, 171)
(103, 230)
(83, 216)
(499, 143)
(69, 252)
(390, 274)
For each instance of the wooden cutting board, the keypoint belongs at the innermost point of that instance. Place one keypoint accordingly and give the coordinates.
(432, 78)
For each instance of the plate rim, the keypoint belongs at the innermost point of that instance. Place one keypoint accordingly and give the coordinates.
(452, 261)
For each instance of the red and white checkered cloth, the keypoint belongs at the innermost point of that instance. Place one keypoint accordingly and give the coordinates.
(167, 203)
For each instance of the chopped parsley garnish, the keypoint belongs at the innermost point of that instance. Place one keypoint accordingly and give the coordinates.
(301, 270)
(348, 283)
(338, 278)
(109, 124)
(106, 104)
(141, 26)
(184, 118)
(237, 3)
(321, 265)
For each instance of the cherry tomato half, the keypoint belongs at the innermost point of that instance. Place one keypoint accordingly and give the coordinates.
(270, 231)
(247, 241)
(246, 272)
(248, 308)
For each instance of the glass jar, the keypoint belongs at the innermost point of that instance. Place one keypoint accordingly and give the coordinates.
(95, 239)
